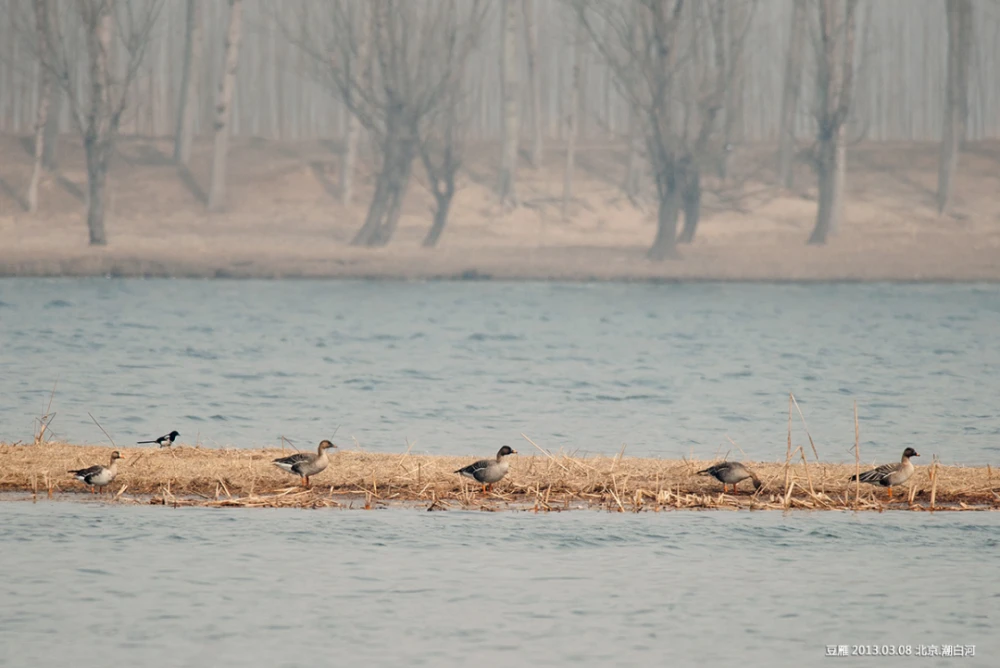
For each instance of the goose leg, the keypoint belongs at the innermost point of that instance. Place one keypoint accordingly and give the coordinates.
(307, 481)
(890, 492)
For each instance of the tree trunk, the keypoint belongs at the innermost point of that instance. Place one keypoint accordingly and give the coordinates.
(350, 154)
(50, 152)
(97, 176)
(511, 102)
(831, 173)
(835, 79)
(955, 95)
(966, 38)
(44, 95)
(98, 136)
(665, 244)
(190, 75)
(443, 205)
(531, 30)
(733, 129)
(691, 196)
(633, 162)
(390, 189)
(790, 95)
(223, 107)
(572, 122)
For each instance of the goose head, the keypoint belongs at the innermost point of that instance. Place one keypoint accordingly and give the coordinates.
(505, 451)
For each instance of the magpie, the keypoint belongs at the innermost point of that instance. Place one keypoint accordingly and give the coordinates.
(164, 441)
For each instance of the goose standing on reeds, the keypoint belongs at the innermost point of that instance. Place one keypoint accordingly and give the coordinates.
(97, 475)
(304, 464)
(889, 475)
(730, 473)
(489, 471)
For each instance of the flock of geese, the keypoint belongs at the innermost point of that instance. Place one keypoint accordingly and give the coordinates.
(488, 472)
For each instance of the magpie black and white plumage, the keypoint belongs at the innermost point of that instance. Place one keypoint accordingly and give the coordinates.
(489, 471)
(97, 475)
(163, 441)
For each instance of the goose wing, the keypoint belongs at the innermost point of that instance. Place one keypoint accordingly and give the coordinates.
(476, 470)
(878, 475)
(88, 472)
(715, 470)
(292, 462)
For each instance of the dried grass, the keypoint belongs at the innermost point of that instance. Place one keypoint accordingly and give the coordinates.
(246, 478)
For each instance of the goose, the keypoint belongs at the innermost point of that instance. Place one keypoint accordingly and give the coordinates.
(889, 475)
(730, 473)
(489, 471)
(97, 475)
(304, 464)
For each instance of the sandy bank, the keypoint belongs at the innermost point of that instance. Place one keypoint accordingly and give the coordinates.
(285, 219)
(194, 476)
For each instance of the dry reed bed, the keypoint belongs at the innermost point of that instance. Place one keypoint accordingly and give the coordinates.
(246, 478)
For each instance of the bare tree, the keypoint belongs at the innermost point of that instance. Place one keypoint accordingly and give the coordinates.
(442, 133)
(404, 101)
(673, 64)
(959, 21)
(736, 25)
(98, 101)
(358, 68)
(223, 107)
(44, 96)
(642, 48)
(835, 76)
(531, 35)
(511, 106)
(573, 118)
(718, 31)
(190, 75)
(50, 149)
(790, 94)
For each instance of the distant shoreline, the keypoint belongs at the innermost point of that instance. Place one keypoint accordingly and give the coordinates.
(514, 264)
(283, 220)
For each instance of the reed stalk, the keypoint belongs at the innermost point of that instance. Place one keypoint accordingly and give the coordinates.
(857, 458)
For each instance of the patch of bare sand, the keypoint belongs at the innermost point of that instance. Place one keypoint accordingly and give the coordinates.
(285, 220)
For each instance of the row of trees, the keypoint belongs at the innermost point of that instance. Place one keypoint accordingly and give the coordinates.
(408, 73)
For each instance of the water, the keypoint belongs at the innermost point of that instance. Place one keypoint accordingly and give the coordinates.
(85, 584)
(461, 368)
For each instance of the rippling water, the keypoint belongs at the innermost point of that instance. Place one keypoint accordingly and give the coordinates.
(85, 584)
(460, 368)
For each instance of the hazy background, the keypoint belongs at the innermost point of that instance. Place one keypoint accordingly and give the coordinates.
(902, 71)
(523, 138)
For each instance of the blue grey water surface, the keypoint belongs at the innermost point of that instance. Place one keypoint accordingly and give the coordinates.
(86, 584)
(461, 368)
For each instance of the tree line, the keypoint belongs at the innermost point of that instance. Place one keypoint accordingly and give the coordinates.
(681, 83)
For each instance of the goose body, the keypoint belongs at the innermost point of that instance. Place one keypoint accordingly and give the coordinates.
(97, 475)
(305, 464)
(730, 473)
(890, 475)
(489, 471)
